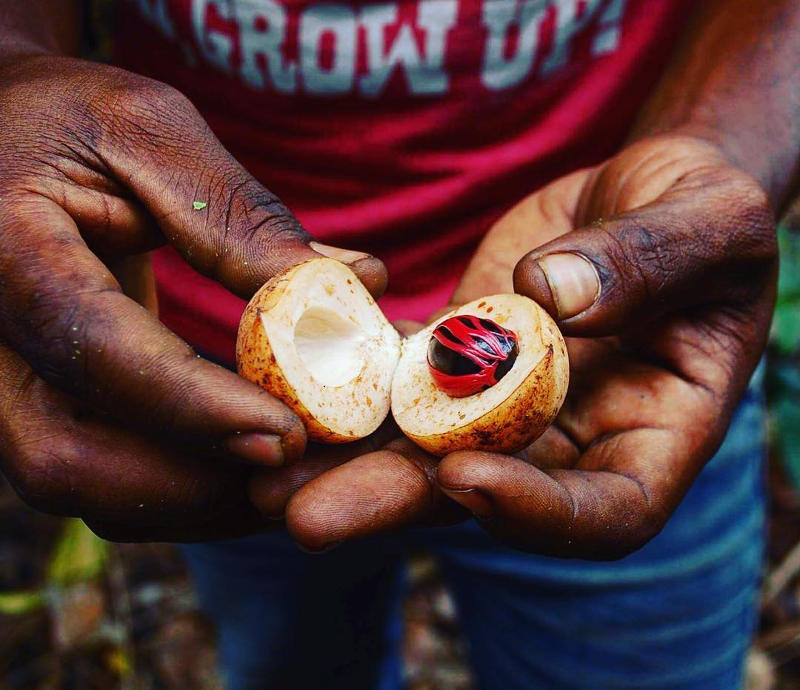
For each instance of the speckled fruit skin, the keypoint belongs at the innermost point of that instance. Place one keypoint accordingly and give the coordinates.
(255, 360)
(524, 415)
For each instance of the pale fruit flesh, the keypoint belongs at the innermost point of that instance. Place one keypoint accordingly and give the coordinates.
(315, 338)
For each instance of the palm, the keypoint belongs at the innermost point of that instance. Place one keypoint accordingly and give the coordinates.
(655, 374)
(656, 398)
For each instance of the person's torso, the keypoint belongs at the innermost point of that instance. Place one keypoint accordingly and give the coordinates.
(403, 128)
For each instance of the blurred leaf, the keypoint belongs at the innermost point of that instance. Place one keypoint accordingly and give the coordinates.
(783, 375)
(783, 391)
(79, 555)
(786, 326)
(17, 603)
(119, 663)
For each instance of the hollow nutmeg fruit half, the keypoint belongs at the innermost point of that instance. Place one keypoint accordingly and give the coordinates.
(314, 338)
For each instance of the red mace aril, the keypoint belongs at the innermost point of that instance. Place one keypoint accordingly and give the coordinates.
(467, 354)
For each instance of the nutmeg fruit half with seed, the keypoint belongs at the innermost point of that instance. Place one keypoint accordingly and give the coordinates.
(491, 375)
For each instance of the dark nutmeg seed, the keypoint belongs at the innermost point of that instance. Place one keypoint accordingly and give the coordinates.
(468, 354)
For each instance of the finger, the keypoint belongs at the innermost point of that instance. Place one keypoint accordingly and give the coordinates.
(221, 219)
(137, 280)
(271, 489)
(113, 223)
(237, 521)
(376, 493)
(439, 313)
(554, 449)
(616, 500)
(406, 327)
(693, 245)
(81, 334)
(537, 219)
(62, 460)
(619, 430)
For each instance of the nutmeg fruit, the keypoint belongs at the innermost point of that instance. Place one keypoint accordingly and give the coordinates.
(314, 338)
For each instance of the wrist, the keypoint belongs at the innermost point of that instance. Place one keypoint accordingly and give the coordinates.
(732, 82)
(36, 27)
(16, 49)
(18, 66)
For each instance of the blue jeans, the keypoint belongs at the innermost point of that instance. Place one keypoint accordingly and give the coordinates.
(679, 613)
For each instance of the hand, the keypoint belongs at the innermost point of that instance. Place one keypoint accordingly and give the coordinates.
(104, 413)
(366, 469)
(661, 264)
(367, 465)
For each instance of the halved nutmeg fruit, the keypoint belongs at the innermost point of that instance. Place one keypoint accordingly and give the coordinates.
(491, 375)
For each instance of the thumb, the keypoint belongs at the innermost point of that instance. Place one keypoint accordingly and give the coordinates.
(600, 279)
(219, 217)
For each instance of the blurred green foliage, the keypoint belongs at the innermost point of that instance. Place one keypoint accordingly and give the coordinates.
(20, 602)
(783, 371)
(79, 555)
(786, 326)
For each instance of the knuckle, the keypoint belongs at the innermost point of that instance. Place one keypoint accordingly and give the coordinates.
(254, 223)
(749, 195)
(620, 545)
(757, 221)
(133, 95)
(281, 225)
(62, 335)
(651, 253)
(141, 108)
(744, 241)
(748, 210)
(47, 348)
(636, 259)
(258, 217)
(225, 488)
(39, 475)
(749, 199)
(650, 527)
(279, 231)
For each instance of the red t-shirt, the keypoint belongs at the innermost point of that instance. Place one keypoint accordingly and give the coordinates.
(402, 128)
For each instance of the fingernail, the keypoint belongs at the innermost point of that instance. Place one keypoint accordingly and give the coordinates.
(263, 449)
(573, 282)
(472, 499)
(346, 256)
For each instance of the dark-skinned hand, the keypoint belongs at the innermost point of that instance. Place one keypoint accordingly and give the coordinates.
(660, 266)
(104, 413)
